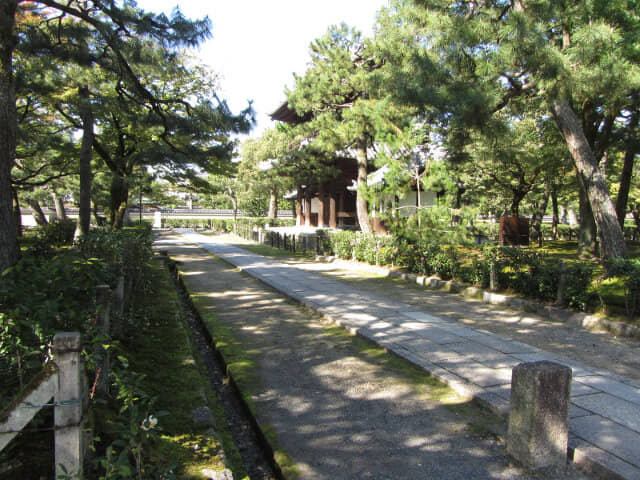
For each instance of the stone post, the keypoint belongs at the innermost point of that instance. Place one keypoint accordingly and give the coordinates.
(539, 417)
(492, 276)
(69, 404)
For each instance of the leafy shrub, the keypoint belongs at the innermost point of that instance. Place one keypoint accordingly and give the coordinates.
(343, 243)
(364, 248)
(57, 233)
(577, 291)
(629, 272)
(125, 251)
(38, 297)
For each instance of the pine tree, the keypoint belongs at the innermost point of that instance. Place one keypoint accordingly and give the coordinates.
(465, 61)
(338, 92)
(23, 25)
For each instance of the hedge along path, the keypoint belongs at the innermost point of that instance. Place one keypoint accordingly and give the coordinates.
(339, 407)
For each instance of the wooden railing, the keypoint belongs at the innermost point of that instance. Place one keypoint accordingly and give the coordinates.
(64, 381)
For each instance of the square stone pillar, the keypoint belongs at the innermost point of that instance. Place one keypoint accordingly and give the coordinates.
(539, 416)
(68, 413)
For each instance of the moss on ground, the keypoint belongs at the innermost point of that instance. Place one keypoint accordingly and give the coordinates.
(164, 353)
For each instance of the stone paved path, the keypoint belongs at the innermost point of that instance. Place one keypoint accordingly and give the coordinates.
(605, 408)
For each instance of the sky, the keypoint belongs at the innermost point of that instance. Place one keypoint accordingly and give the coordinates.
(257, 45)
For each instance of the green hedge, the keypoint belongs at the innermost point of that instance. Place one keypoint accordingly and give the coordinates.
(226, 224)
(41, 295)
(53, 290)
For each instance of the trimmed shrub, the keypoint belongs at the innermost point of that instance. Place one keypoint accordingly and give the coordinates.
(343, 243)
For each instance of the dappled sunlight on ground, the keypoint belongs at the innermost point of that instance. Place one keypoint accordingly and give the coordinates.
(344, 414)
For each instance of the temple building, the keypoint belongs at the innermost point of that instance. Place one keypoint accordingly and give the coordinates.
(332, 203)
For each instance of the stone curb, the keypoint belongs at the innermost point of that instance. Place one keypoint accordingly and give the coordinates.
(550, 312)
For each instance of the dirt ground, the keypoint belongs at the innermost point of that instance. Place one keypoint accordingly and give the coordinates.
(597, 349)
(338, 411)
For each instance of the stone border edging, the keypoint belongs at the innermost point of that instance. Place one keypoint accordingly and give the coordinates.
(550, 312)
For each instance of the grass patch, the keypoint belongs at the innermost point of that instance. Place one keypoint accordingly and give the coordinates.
(273, 252)
(161, 350)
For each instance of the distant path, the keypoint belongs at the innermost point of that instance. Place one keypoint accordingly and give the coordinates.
(339, 414)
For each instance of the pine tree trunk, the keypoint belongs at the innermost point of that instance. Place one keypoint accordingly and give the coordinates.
(556, 214)
(119, 201)
(612, 244)
(625, 181)
(17, 214)
(37, 212)
(61, 214)
(9, 250)
(273, 203)
(587, 233)
(86, 114)
(538, 216)
(362, 209)
(516, 199)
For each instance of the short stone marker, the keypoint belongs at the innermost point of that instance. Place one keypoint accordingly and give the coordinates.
(539, 417)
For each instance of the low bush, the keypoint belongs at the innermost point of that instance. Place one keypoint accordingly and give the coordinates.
(125, 251)
(629, 273)
(343, 242)
(578, 290)
(57, 233)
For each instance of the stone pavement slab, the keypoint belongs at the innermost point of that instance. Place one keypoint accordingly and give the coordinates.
(605, 428)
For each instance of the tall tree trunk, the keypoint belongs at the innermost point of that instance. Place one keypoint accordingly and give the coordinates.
(612, 244)
(587, 233)
(362, 209)
(37, 212)
(9, 249)
(556, 213)
(86, 114)
(273, 203)
(61, 214)
(119, 200)
(633, 148)
(17, 214)
(538, 216)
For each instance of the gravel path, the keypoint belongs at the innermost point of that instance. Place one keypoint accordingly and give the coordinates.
(337, 411)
